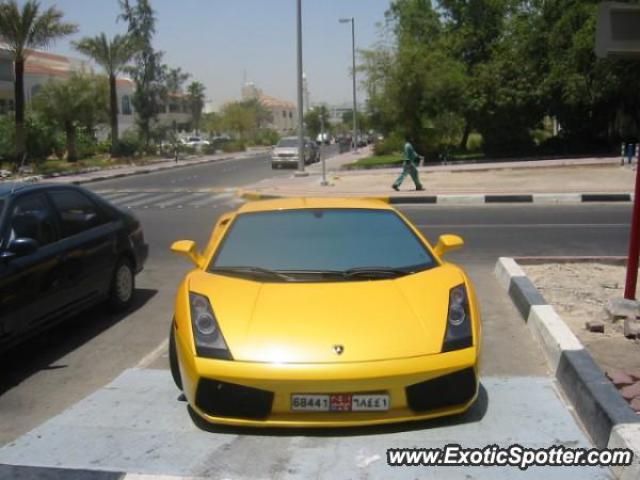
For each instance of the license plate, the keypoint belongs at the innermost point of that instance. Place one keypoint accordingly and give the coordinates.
(340, 402)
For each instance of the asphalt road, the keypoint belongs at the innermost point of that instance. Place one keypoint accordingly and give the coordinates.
(52, 372)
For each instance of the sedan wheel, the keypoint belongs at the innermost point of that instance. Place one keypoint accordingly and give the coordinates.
(122, 286)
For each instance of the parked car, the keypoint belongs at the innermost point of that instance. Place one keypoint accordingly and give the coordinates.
(323, 138)
(285, 153)
(195, 142)
(63, 249)
(323, 313)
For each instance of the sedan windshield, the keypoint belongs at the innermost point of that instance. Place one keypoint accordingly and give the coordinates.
(288, 143)
(346, 244)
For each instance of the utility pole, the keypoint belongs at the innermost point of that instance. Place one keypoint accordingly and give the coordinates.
(300, 171)
(354, 143)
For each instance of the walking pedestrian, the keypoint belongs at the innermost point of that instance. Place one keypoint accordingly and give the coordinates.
(409, 167)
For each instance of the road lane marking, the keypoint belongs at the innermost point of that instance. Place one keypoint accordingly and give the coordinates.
(128, 198)
(150, 357)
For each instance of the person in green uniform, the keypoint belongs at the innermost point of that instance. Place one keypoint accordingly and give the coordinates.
(409, 167)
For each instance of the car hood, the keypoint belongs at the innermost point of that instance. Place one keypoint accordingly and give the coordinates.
(304, 322)
(285, 151)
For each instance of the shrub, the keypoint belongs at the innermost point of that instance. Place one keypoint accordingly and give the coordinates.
(129, 144)
(86, 144)
(393, 143)
(234, 146)
(209, 149)
(474, 142)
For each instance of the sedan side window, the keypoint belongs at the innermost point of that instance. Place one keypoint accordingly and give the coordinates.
(31, 218)
(77, 212)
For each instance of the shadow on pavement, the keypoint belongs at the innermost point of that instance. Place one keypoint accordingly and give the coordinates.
(476, 413)
(43, 350)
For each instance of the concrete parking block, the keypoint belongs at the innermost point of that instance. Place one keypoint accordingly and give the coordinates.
(137, 425)
(626, 436)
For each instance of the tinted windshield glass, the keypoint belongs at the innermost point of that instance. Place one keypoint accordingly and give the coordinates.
(334, 239)
(288, 143)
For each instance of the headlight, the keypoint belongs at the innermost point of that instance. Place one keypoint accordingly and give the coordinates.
(208, 337)
(459, 331)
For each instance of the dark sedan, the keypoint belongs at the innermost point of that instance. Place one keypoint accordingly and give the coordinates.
(63, 249)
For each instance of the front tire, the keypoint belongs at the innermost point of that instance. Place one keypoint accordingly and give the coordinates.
(123, 285)
(173, 359)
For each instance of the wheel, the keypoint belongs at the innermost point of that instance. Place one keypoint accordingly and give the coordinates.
(173, 358)
(122, 286)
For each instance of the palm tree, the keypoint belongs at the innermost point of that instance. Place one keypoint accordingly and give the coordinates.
(25, 30)
(195, 99)
(113, 56)
(78, 101)
(175, 79)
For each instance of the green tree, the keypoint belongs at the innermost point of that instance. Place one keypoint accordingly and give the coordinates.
(175, 79)
(236, 117)
(82, 100)
(113, 56)
(315, 119)
(195, 100)
(148, 72)
(24, 30)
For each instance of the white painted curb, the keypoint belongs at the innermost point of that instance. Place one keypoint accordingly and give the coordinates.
(552, 333)
(556, 198)
(626, 435)
(507, 268)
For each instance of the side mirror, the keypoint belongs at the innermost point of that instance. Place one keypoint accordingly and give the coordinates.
(21, 247)
(187, 248)
(448, 243)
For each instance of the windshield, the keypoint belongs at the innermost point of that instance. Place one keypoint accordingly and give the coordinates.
(334, 240)
(288, 143)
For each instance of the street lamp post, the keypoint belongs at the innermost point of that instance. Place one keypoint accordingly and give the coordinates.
(354, 143)
(300, 171)
(324, 182)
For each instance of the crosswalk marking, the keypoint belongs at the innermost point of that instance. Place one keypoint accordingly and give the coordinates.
(180, 199)
(150, 199)
(154, 197)
(129, 198)
(207, 201)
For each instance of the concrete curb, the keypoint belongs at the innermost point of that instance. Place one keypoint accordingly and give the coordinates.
(458, 199)
(606, 416)
(13, 472)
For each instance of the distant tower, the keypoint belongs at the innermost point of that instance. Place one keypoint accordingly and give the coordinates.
(305, 94)
(250, 91)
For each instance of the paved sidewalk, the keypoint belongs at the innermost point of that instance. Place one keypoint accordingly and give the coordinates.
(543, 178)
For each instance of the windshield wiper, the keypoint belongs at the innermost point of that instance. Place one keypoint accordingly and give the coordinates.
(252, 271)
(375, 272)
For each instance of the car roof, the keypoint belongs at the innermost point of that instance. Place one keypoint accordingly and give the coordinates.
(8, 188)
(298, 203)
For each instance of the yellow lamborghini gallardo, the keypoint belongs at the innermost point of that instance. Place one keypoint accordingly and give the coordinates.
(323, 313)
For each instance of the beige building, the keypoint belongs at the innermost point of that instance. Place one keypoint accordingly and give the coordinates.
(43, 67)
(283, 113)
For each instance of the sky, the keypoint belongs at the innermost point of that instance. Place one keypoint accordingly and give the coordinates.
(217, 41)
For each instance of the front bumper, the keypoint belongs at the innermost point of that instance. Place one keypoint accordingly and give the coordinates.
(259, 394)
(284, 161)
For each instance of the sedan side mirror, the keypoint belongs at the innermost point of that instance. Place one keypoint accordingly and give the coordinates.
(187, 248)
(21, 247)
(448, 243)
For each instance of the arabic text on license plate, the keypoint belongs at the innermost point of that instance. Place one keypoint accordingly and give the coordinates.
(340, 402)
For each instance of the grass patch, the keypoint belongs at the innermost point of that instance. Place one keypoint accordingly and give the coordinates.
(393, 160)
